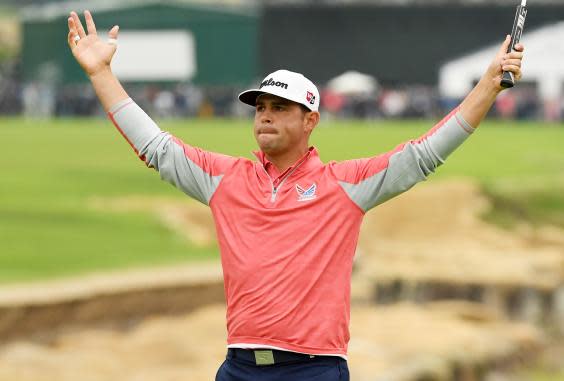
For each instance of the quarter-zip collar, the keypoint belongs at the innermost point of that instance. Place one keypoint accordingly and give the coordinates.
(309, 160)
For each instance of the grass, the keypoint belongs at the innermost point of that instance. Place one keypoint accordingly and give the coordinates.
(542, 375)
(51, 169)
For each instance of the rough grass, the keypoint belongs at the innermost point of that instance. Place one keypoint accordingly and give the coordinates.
(541, 374)
(51, 169)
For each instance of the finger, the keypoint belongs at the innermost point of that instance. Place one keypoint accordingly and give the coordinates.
(514, 55)
(112, 34)
(72, 33)
(520, 47)
(516, 70)
(70, 41)
(505, 45)
(511, 62)
(90, 26)
(78, 25)
(516, 73)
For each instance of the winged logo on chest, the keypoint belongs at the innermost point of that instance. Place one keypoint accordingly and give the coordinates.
(306, 194)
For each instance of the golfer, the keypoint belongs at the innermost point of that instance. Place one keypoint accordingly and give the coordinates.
(287, 223)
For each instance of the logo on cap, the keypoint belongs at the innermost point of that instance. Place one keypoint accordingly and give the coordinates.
(310, 98)
(271, 82)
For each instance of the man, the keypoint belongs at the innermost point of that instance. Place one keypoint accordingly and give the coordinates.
(287, 224)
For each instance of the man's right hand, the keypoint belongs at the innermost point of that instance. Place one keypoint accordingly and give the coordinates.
(93, 54)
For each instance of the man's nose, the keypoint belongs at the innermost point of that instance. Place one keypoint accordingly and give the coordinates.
(266, 116)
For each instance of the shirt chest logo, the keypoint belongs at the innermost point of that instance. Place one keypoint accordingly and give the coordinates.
(306, 194)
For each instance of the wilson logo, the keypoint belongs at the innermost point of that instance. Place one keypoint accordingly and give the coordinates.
(271, 82)
(306, 194)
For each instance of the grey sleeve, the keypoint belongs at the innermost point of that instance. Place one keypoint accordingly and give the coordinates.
(370, 182)
(194, 171)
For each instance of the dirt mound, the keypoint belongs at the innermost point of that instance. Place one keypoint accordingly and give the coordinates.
(435, 232)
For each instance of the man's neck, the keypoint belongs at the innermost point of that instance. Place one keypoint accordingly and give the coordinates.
(284, 161)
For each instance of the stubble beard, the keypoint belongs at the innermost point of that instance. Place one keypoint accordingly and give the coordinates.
(269, 146)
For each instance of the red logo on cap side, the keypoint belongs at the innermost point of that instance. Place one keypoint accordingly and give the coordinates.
(310, 97)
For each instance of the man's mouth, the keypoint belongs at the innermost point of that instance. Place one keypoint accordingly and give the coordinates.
(267, 130)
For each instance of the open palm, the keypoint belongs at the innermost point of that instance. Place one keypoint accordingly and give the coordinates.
(90, 51)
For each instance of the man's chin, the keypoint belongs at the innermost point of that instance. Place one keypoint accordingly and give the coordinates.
(267, 145)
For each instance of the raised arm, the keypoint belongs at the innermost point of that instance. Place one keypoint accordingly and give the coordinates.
(371, 181)
(194, 171)
(477, 104)
(95, 56)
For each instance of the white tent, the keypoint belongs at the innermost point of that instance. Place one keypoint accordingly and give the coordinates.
(543, 64)
(353, 83)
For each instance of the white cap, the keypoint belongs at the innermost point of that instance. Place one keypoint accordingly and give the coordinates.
(288, 85)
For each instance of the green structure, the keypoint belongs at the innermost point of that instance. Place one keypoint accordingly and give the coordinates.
(224, 38)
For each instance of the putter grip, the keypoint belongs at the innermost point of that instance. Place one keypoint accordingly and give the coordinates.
(507, 79)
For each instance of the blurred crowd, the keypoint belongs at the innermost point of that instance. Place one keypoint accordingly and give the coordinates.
(186, 100)
(10, 88)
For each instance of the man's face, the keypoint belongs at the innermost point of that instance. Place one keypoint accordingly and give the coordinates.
(280, 125)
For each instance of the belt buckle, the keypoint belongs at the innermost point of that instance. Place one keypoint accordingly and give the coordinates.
(264, 357)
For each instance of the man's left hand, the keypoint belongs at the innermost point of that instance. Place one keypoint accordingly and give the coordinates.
(504, 61)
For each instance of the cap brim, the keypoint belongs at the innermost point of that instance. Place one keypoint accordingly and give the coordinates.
(250, 96)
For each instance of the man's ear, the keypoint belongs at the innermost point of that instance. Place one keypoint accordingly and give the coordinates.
(311, 120)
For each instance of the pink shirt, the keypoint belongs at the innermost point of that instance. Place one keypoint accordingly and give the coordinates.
(287, 240)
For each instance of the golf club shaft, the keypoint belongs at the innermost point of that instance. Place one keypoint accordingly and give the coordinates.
(507, 79)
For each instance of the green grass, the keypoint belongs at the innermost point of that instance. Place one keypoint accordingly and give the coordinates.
(541, 372)
(51, 169)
